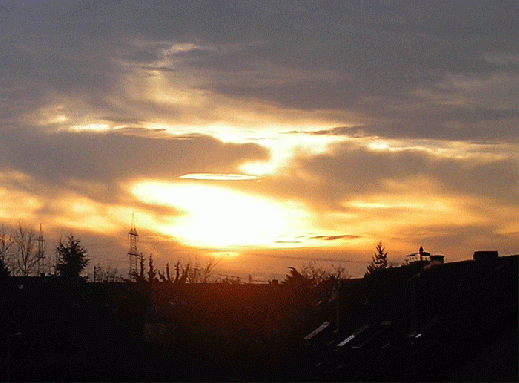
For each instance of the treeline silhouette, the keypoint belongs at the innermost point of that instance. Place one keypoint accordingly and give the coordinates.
(72, 330)
(418, 322)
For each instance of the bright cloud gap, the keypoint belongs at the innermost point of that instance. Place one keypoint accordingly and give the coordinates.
(218, 177)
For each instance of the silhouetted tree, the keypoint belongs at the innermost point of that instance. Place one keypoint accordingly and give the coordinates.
(177, 272)
(194, 275)
(312, 274)
(340, 272)
(5, 244)
(208, 269)
(105, 275)
(183, 277)
(72, 258)
(320, 274)
(162, 277)
(4, 270)
(141, 268)
(25, 254)
(294, 277)
(379, 260)
(151, 270)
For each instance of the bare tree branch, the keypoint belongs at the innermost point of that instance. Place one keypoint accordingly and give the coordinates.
(25, 256)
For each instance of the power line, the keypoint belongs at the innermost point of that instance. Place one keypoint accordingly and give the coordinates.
(101, 245)
(306, 258)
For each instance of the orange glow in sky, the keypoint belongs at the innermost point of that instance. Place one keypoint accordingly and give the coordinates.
(327, 130)
(216, 217)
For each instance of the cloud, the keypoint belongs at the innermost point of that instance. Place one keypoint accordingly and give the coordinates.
(73, 160)
(377, 194)
(350, 131)
(421, 97)
(412, 69)
(351, 170)
(335, 237)
(218, 177)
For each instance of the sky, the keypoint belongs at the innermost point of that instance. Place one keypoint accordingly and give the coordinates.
(262, 134)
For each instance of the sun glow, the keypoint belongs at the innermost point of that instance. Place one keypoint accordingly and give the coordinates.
(216, 217)
(95, 127)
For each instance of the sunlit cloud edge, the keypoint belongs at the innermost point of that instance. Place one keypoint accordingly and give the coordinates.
(218, 177)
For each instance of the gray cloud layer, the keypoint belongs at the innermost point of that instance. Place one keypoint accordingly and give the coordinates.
(351, 172)
(59, 158)
(418, 69)
(407, 69)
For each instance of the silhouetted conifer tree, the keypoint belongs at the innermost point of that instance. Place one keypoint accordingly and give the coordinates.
(379, 260)
(141, 268)
(72, 258)
(151, 270)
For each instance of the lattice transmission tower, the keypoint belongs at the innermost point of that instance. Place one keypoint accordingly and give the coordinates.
(40, 256)
(133, 255)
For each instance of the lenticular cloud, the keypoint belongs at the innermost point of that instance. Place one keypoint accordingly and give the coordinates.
(218, 177)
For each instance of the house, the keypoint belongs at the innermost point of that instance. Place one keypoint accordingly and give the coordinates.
(424, 257)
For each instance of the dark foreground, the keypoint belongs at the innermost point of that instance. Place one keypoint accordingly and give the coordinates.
(452, 322)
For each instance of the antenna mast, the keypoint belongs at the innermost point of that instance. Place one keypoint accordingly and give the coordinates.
(41, 253)
(133, 256)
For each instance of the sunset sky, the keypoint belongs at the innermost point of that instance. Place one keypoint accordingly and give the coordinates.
(266, 134)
